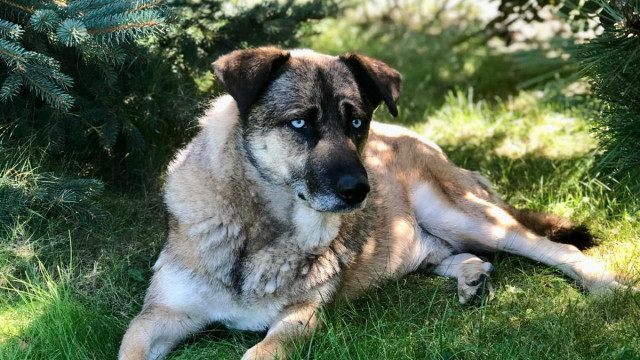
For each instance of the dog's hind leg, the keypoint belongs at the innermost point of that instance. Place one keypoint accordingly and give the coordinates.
(518, 240)
(473, 275)
(435, 255)
(472, 223)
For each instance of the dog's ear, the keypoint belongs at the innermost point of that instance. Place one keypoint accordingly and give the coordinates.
(377, 79)
(244, 73)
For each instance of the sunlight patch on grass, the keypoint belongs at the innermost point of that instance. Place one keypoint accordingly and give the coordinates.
(15, 318)
(512, 128)
(622, 255)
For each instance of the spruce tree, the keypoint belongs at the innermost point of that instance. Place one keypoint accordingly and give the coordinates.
(64, 67)
(34, 33)
(115, 86)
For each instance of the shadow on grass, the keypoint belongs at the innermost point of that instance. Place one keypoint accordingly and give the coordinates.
(534, 177)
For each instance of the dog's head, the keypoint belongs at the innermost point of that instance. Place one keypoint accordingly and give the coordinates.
(305, 118)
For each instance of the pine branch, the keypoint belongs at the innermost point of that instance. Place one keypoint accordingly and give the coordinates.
(64, 81)
(29, 9)
(44, 21)
(10, 87)
(123, 27)
(126, 26)
(111, 55)
(88, 5)
(611, 62)
(145, 6)
(109, 132)
(13, 54)
(116, 7)
(69, 198)
(38, 58)
(135, 139)
(48, 91)
(9, 30)
(109, 74)
(72, 32)
(109, 7)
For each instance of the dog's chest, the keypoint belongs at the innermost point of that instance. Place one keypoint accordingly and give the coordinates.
(184, 290)
(290, 262)
(243, 315)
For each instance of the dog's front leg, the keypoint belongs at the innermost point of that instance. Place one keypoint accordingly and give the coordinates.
(153, 333)
(297, 322)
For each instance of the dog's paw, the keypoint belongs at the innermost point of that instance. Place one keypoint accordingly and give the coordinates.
(610, 282)
(476, 287)
(262, 352)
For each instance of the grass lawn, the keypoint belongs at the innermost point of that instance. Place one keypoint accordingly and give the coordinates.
(69, 287)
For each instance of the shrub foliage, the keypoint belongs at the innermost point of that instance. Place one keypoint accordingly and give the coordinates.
(611, 62)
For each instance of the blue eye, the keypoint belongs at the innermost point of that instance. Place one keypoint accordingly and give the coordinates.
(356, 123)
(298, 124)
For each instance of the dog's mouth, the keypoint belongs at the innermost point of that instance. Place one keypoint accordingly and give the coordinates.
(330, 203)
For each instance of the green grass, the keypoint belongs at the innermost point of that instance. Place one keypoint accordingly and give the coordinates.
(69, 285)
(46, 321)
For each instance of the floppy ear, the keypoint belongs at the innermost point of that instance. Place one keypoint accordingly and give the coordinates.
(244, 73)
(379, 80)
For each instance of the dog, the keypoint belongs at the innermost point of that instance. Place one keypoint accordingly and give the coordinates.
(291, 197)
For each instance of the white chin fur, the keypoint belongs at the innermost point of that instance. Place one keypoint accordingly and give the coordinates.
(327, 203)
(332, 204)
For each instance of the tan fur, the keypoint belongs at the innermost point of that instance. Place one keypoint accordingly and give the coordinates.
(245, 251)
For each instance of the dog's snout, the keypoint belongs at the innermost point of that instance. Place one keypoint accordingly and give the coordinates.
(352, 189)
(338, 180)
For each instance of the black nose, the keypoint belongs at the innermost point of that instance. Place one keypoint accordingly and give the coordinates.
(353, 189)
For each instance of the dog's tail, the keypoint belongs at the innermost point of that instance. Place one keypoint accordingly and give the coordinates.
(554, 227)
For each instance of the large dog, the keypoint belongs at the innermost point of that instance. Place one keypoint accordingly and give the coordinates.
(290, 196)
